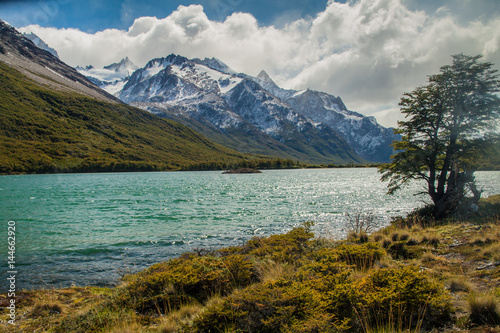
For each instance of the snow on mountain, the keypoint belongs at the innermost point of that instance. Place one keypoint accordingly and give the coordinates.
(183, 78)
(231, 109)
(368, 138)
(215, 64)
(250, 114)
(267, 83)
(125, 67)
(40, 43)
(111, 78)
(175, 86)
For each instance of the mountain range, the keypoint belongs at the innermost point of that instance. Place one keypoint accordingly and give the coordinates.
(53, 119)
(246, 113)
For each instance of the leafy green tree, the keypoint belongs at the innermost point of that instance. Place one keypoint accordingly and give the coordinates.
(449, 125)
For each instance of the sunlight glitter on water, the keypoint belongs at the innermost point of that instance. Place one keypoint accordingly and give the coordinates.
(84, 229)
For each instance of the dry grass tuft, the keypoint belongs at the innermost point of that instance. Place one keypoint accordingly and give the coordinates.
(430, 239)
(386, 243)
(269, 270)
(483, 309)
(174, 321)
(492, 252)
(404, 237)
(128, 328)
(428, 257)
(457, 284)
(412, 242)
(45, 309)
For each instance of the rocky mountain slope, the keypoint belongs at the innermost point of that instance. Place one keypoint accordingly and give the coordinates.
(368, 138)
(52, 119)
(41, 44)
(43, 68)
(253, 114)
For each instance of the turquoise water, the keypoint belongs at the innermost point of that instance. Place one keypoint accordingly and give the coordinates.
(88, 229)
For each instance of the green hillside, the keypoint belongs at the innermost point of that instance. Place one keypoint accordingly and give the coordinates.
(45, 131)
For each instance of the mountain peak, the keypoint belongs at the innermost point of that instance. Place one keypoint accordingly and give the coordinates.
(265, 77)
(215, 64)
(40, 43)
(124, 66)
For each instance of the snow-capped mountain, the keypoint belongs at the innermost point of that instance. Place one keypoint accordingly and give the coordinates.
(253, 114)
(40, 43)
(111, 78)
(231, 109)
(368, 138)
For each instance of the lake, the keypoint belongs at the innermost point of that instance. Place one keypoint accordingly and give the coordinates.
(89, 229)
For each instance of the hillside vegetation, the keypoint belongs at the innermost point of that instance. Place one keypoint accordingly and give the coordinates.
(45, 131)
(412, 276)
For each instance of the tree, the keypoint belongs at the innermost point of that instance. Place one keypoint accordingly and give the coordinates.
(450, 123)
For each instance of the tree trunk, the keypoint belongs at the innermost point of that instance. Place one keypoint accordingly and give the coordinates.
(454, 198)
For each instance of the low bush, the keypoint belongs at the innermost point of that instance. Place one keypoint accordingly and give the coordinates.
(268, 307)
(398, 250)
(288, 247)
(182, 280)
(406, 295)
(323, 296)
(362, 256)
(96, 319)
(420, 217)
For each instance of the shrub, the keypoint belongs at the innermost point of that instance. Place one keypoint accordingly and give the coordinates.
(268, 270)
(360, 237)
(359, 221)
(288, 247)
(269, 308)
(363, 237)
(430, 239)
(177, 281)
(362, 256)
(406, 294)
(323, 296)
(492, 252)
(420, 217)
(429, 257)
(483, 309)
(398, 250)
(175, 320)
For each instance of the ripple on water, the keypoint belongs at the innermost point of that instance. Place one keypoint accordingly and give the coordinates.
(83, 228)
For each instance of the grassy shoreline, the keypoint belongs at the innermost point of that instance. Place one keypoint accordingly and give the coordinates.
(410, 276)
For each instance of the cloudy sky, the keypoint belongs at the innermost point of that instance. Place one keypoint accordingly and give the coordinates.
(368, 52)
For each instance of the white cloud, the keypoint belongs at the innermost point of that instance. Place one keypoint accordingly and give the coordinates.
(368, 52)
